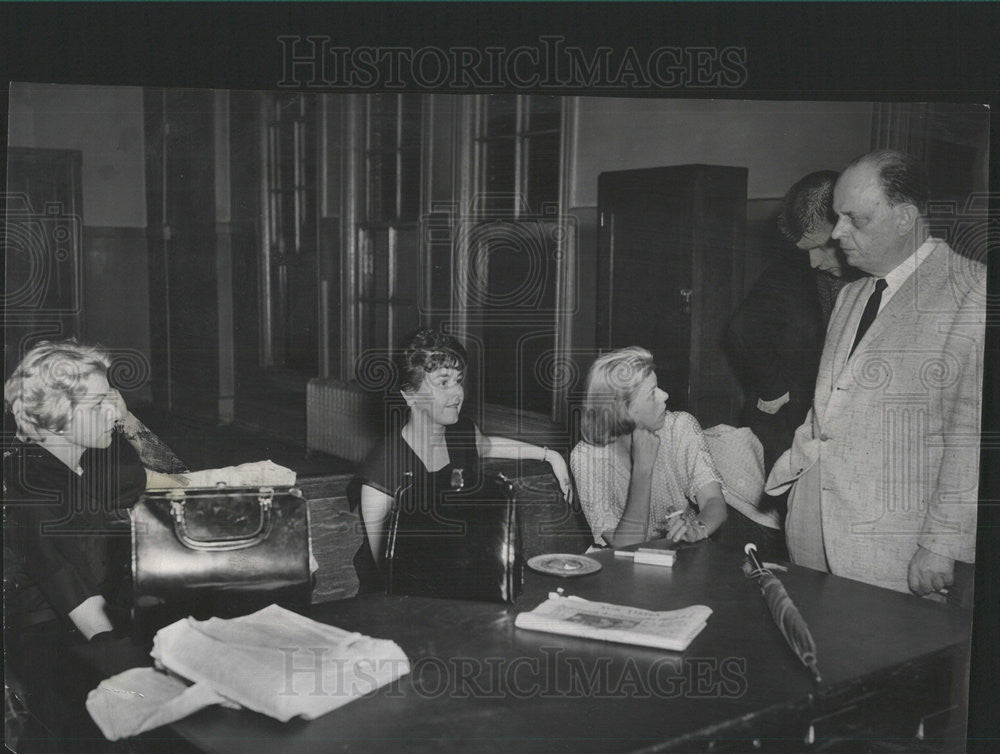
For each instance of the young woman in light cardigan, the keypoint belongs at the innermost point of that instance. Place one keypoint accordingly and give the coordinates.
(642, 471)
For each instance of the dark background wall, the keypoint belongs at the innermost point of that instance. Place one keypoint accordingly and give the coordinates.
(206, 273)
(106, 125)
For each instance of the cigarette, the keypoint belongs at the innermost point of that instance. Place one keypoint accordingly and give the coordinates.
(672, 514)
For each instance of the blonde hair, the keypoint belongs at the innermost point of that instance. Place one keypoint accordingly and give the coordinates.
(611, 384)
(48, 384)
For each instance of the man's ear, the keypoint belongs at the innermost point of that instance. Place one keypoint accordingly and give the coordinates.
(906, 218)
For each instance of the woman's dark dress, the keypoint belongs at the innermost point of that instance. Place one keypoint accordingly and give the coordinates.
(69, 532)
(385, 469)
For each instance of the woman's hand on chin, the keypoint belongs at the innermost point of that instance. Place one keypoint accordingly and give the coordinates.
(645, 446)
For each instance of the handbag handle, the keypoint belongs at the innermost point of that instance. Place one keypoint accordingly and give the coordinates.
(390, 542)
(216, 544)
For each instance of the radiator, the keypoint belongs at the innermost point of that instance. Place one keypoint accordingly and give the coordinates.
(340, 419)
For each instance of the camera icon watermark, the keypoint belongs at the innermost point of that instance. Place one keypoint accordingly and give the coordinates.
(969, 228)
(505, 259)
(41, 258)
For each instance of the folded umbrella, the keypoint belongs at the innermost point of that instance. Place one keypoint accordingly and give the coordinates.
(786, 616)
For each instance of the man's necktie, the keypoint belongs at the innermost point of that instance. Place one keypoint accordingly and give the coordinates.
(868, 315)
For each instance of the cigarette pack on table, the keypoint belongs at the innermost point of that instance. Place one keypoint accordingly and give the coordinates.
(649, 556)
(655, 557)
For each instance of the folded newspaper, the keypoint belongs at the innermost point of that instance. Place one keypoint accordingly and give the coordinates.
(575, 616)
(274, 661)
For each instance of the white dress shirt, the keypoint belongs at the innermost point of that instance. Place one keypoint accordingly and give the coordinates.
(902, 272)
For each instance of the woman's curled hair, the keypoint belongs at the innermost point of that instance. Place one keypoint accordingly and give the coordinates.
(424, 352)
(46, 387)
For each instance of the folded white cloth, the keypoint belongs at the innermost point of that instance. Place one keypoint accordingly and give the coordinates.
(141, 699)
(278, 663)
(273, 661)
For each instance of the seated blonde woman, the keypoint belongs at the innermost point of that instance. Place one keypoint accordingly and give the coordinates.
(69, 475)
(434, 443)
(642, 471)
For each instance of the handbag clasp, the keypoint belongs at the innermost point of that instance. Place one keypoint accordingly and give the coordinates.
(264, 497)
(176, 498)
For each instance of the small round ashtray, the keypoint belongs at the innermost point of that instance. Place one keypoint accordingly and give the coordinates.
(564, 565)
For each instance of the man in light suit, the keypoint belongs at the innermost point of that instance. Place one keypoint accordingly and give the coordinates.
(885, 467)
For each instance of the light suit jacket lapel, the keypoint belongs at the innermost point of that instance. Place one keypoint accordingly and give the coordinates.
(845, 338)
(900, 309)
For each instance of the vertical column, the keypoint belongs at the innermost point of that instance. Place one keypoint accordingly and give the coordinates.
(224, 259)
(353, 205)
(566, 280)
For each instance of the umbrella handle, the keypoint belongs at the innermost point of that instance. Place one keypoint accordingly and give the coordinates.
(751, 550)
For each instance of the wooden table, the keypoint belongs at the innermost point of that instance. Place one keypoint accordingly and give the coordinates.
(892, 664)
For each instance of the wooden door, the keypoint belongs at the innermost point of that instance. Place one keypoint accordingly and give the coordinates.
(644, 274)
(670, 257)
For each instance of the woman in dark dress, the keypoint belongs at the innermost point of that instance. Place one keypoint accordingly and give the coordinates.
(436, 444)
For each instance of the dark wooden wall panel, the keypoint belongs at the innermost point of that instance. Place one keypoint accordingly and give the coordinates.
(116, 303)
(183, 247)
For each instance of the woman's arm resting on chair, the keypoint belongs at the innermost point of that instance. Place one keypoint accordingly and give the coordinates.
(252, 474)
(504, 447)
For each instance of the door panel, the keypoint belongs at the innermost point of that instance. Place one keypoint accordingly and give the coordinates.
(670, 262)
(644, 276)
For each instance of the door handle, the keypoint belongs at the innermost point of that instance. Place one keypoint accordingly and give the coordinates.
(686, 294)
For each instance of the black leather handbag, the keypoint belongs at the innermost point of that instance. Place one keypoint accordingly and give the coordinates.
(220, 552)
(464, 543)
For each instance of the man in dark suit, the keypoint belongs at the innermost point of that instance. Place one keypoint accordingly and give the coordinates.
(776, 335)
